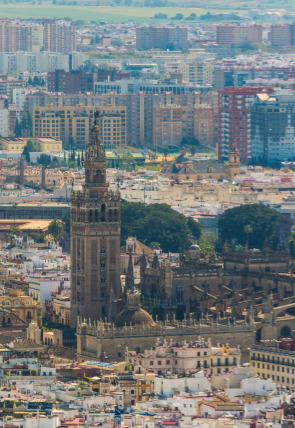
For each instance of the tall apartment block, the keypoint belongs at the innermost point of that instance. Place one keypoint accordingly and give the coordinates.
(59, 36)
(237, 35)
(73, 82)
(139, 109)
(150, 37)
(282, 35)
(234, 121)
(173, 123)
(200, 73)
(20, 36)
(273, 127)
(73, 124)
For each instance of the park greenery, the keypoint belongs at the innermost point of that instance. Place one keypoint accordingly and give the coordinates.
(249, 225)
(158, 223)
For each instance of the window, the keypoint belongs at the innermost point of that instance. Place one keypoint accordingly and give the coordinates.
(151, 363)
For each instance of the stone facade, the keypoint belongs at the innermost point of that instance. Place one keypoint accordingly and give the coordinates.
(95, 241)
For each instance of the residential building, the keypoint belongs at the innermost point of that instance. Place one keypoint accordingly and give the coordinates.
(234, 121)
(25, 307)
(4, 122)
(199, 73)
(273, 127)
(280, 35)
(186, 357)
(172, 124)
(71, 82)
(31, 62)
(275, 360)
(59, 36)
(150, 37)
(74, 124)
(238, 35)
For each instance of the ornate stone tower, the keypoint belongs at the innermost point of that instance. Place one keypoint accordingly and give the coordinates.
(95, 240)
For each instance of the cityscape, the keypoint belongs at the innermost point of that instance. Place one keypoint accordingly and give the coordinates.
(147, 214)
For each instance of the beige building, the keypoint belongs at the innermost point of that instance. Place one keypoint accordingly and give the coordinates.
(276, 361)
(25, 307)
(17, 145)
(200, 73)
(73, 124)
(186, 357)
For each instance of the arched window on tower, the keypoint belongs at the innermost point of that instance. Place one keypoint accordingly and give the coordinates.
(90, 216)
(179, 293)
(115, 215)
(96, 216)
(103, 212)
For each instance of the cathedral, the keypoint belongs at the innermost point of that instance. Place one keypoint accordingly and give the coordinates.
(243, 298)
(95, 240)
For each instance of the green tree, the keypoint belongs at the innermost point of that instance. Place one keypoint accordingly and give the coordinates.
(55, 229)
(17, 129)
(31, 146)
(194, 227)
(263, 220)
(207, 243)
(193, 150)
(26, 154)
(44, 159)
(78, 160)
(15, 207)
(248, 229)
(165, 152)
(14, 230)
(155, 223)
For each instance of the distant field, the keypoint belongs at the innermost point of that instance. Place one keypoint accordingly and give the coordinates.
(97, 13)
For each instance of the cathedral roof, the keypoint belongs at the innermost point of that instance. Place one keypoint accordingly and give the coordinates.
(135, 317)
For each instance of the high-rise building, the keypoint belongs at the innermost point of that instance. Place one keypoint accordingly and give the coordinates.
(71, 82)
(280, 35)
(20, 35)
(73, 124)
(150, 37)
(273, 127)
(59, 36)
(234, 121)
(238, 35)
(200, 73)
(95, 241)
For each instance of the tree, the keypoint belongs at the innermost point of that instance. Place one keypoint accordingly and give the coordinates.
(193, 150)
(31, 146)
(26, 154)
(248, 229)
(78, 160)
(165, 152)
(155, 223)
(207, 243)
(262, 220)
(194, 227)
(15, 207)
(14, 230)
(17, 129)
(55, 229)
(44, 159)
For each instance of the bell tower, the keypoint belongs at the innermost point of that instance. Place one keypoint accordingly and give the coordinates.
(95, 240)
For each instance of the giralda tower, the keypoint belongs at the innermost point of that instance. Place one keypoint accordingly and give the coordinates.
(95, 240)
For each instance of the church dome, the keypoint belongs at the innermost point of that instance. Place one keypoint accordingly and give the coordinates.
(135, 317)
